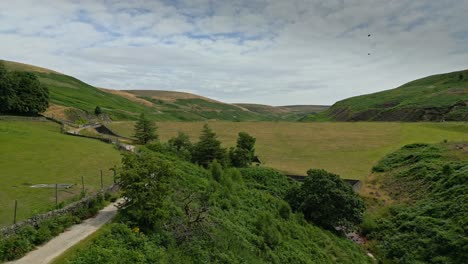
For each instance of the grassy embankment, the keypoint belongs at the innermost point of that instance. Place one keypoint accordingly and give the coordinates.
(417, 211)
(348, 149)
(34, 152)
(434, 98)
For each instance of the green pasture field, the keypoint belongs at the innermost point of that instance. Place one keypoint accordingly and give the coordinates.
(35, 152)
(349, 149)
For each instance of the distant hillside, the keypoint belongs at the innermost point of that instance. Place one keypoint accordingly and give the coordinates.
(75, 100)
(70, 97)
(291, 112)
(306, 109)
(434, 98)
(186, 106)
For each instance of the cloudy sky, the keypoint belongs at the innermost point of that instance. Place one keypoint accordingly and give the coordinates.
(274, 52)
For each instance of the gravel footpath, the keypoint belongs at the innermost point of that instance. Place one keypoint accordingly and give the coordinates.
(59, 244)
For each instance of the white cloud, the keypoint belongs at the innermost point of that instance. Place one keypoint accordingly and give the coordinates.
(274, 52)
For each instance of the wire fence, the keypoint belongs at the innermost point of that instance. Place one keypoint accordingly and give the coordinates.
(32, 199)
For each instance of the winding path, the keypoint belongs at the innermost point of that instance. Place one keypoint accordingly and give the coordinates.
(55, 247)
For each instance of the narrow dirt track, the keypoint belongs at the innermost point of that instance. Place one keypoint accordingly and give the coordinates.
(55, 247)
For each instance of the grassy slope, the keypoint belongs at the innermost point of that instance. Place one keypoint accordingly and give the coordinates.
(428, 98)
(292, 112)
(349, 149)
(68, 91)
(236, 206)
(36, 152)
(418, 213)
(192, 107)
(158, 105)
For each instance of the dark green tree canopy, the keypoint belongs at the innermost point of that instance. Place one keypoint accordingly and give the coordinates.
(246, 141)
(97, 110)
(22, 93)
(208, 148)
(327, 200)
(243, 154)
(181, 142)
(145, 130)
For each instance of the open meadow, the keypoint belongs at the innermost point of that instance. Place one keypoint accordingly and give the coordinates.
(348, 149)
(35, 152)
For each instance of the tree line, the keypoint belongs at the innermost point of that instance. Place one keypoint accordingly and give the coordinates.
(21, 93)
(324, 198)
(204, 152)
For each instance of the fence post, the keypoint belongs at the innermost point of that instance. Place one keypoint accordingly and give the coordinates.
(82, 184)
(16, 206)
(115, 173)
(56, 196)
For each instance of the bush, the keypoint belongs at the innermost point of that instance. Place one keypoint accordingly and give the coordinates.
(327, 200)
(15, 247)
(27, 237)
(284, 210)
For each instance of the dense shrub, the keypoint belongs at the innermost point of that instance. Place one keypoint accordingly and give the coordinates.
(195, 218)
(431, 228)
(325, 199)
(17, 245)
(22, 93)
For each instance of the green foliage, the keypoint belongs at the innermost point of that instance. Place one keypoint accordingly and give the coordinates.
(181, 145)
(22, 93)
(208, 148)
(145, 130)
(17, 245)
(327, 200)
(144, 184)
(203, 220)
(434, 98)
(431, 227)
(243, 154)
(97, 110)
(267, 179)
(216, 170)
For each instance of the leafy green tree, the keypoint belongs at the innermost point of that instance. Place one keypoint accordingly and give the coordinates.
(22, 93)
(32, 97)
(97, 110)
(7, 95)
(327, 200)
(145, 130)
(216, 170)
(181, 145)
(243, 154)
(208, 148)
(144, 182)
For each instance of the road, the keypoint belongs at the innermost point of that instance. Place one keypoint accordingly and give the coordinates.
(55, 247)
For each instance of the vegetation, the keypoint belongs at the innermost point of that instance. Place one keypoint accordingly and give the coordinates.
(34, 152)
(17, 245)
(178, 212)
(145, 130)
(21, 93)
(327, 200)
(208, 148)
(97, 110)
(347, 149)
(70, 92)
(426, 220)
(243, 154)
(434, 98)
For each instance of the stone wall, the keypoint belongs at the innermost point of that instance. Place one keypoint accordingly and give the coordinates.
(69, 209)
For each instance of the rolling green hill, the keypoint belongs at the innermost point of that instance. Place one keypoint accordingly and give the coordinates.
(288, 112)
(75, 100)
(191, 107)
(434, 98)
(418, 213)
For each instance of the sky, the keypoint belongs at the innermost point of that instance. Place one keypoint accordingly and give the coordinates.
(273, 52)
